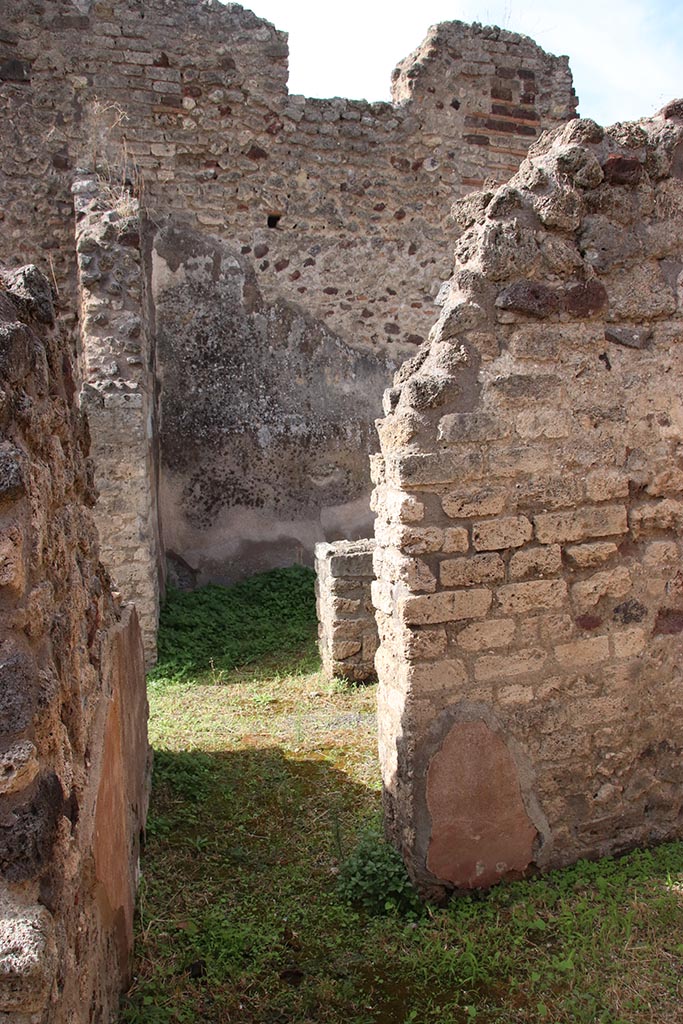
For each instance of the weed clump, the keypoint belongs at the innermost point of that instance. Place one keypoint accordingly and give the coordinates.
(375, 879)
(217, 628)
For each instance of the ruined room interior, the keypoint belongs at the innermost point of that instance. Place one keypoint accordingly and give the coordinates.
(428, 346)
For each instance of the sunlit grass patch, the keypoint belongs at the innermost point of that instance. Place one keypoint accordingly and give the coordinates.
(266, 781)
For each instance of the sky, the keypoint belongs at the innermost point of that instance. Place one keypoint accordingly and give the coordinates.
(626, 55)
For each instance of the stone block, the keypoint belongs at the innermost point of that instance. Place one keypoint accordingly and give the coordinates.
(27, 846)
(440, 468)
(587, 556)
(382, 594)
(581, 524)
(519, 598)
(12, 472)
(499, 667)
(553, 626)
(19, 689)
(586, 594)
(352, 558)
(414, 573)
(404, 508)
(629, 643)
(668, 481)
(583, 652)
(531, 562)
(345, 629)
(12, 559)
(467, 572)
(28, 960)
(606, 484)
(342, 606)
(498, 534)
(455, 539)
(424, 644)
(342, 649)
(18, 766)
(469, 426)
(446, 606)
(438, 677)
(659, 515)
(478, 502)
(550, 423)
(662, 555)
(418, 540)
(482, 636)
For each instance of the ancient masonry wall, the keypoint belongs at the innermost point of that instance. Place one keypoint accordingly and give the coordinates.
(118, 393)
(346, 618)
(530, 517)
(73, 739)
(283, 231)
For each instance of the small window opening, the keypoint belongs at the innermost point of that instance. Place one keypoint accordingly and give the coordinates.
(274, 219)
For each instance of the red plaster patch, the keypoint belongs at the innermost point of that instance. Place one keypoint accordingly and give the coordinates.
(480, 829)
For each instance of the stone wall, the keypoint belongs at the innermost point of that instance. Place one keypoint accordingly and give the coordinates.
(73, 740)
(346, 618)
(530, 517)
(280, 227)
(118, 393)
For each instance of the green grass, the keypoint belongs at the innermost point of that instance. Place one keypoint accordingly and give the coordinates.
(265, 784)
(220, 628)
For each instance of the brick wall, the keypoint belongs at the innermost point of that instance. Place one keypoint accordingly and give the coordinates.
(530, 580)
(346, 617)
(118, 393)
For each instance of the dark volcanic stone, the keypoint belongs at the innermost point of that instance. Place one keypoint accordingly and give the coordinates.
(585, 299)
(622, 170)
(12, 481)
(15, 351)
(628, 337)
(28, 830)
(529, 297)
(14, 70)
(673, 110)
(33, 290)
(18, 693)
(630, 611)
(668, 622)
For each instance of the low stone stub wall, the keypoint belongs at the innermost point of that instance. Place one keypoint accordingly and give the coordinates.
(346, 618)
(118, 393)
(530, 513)
(74, 765)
